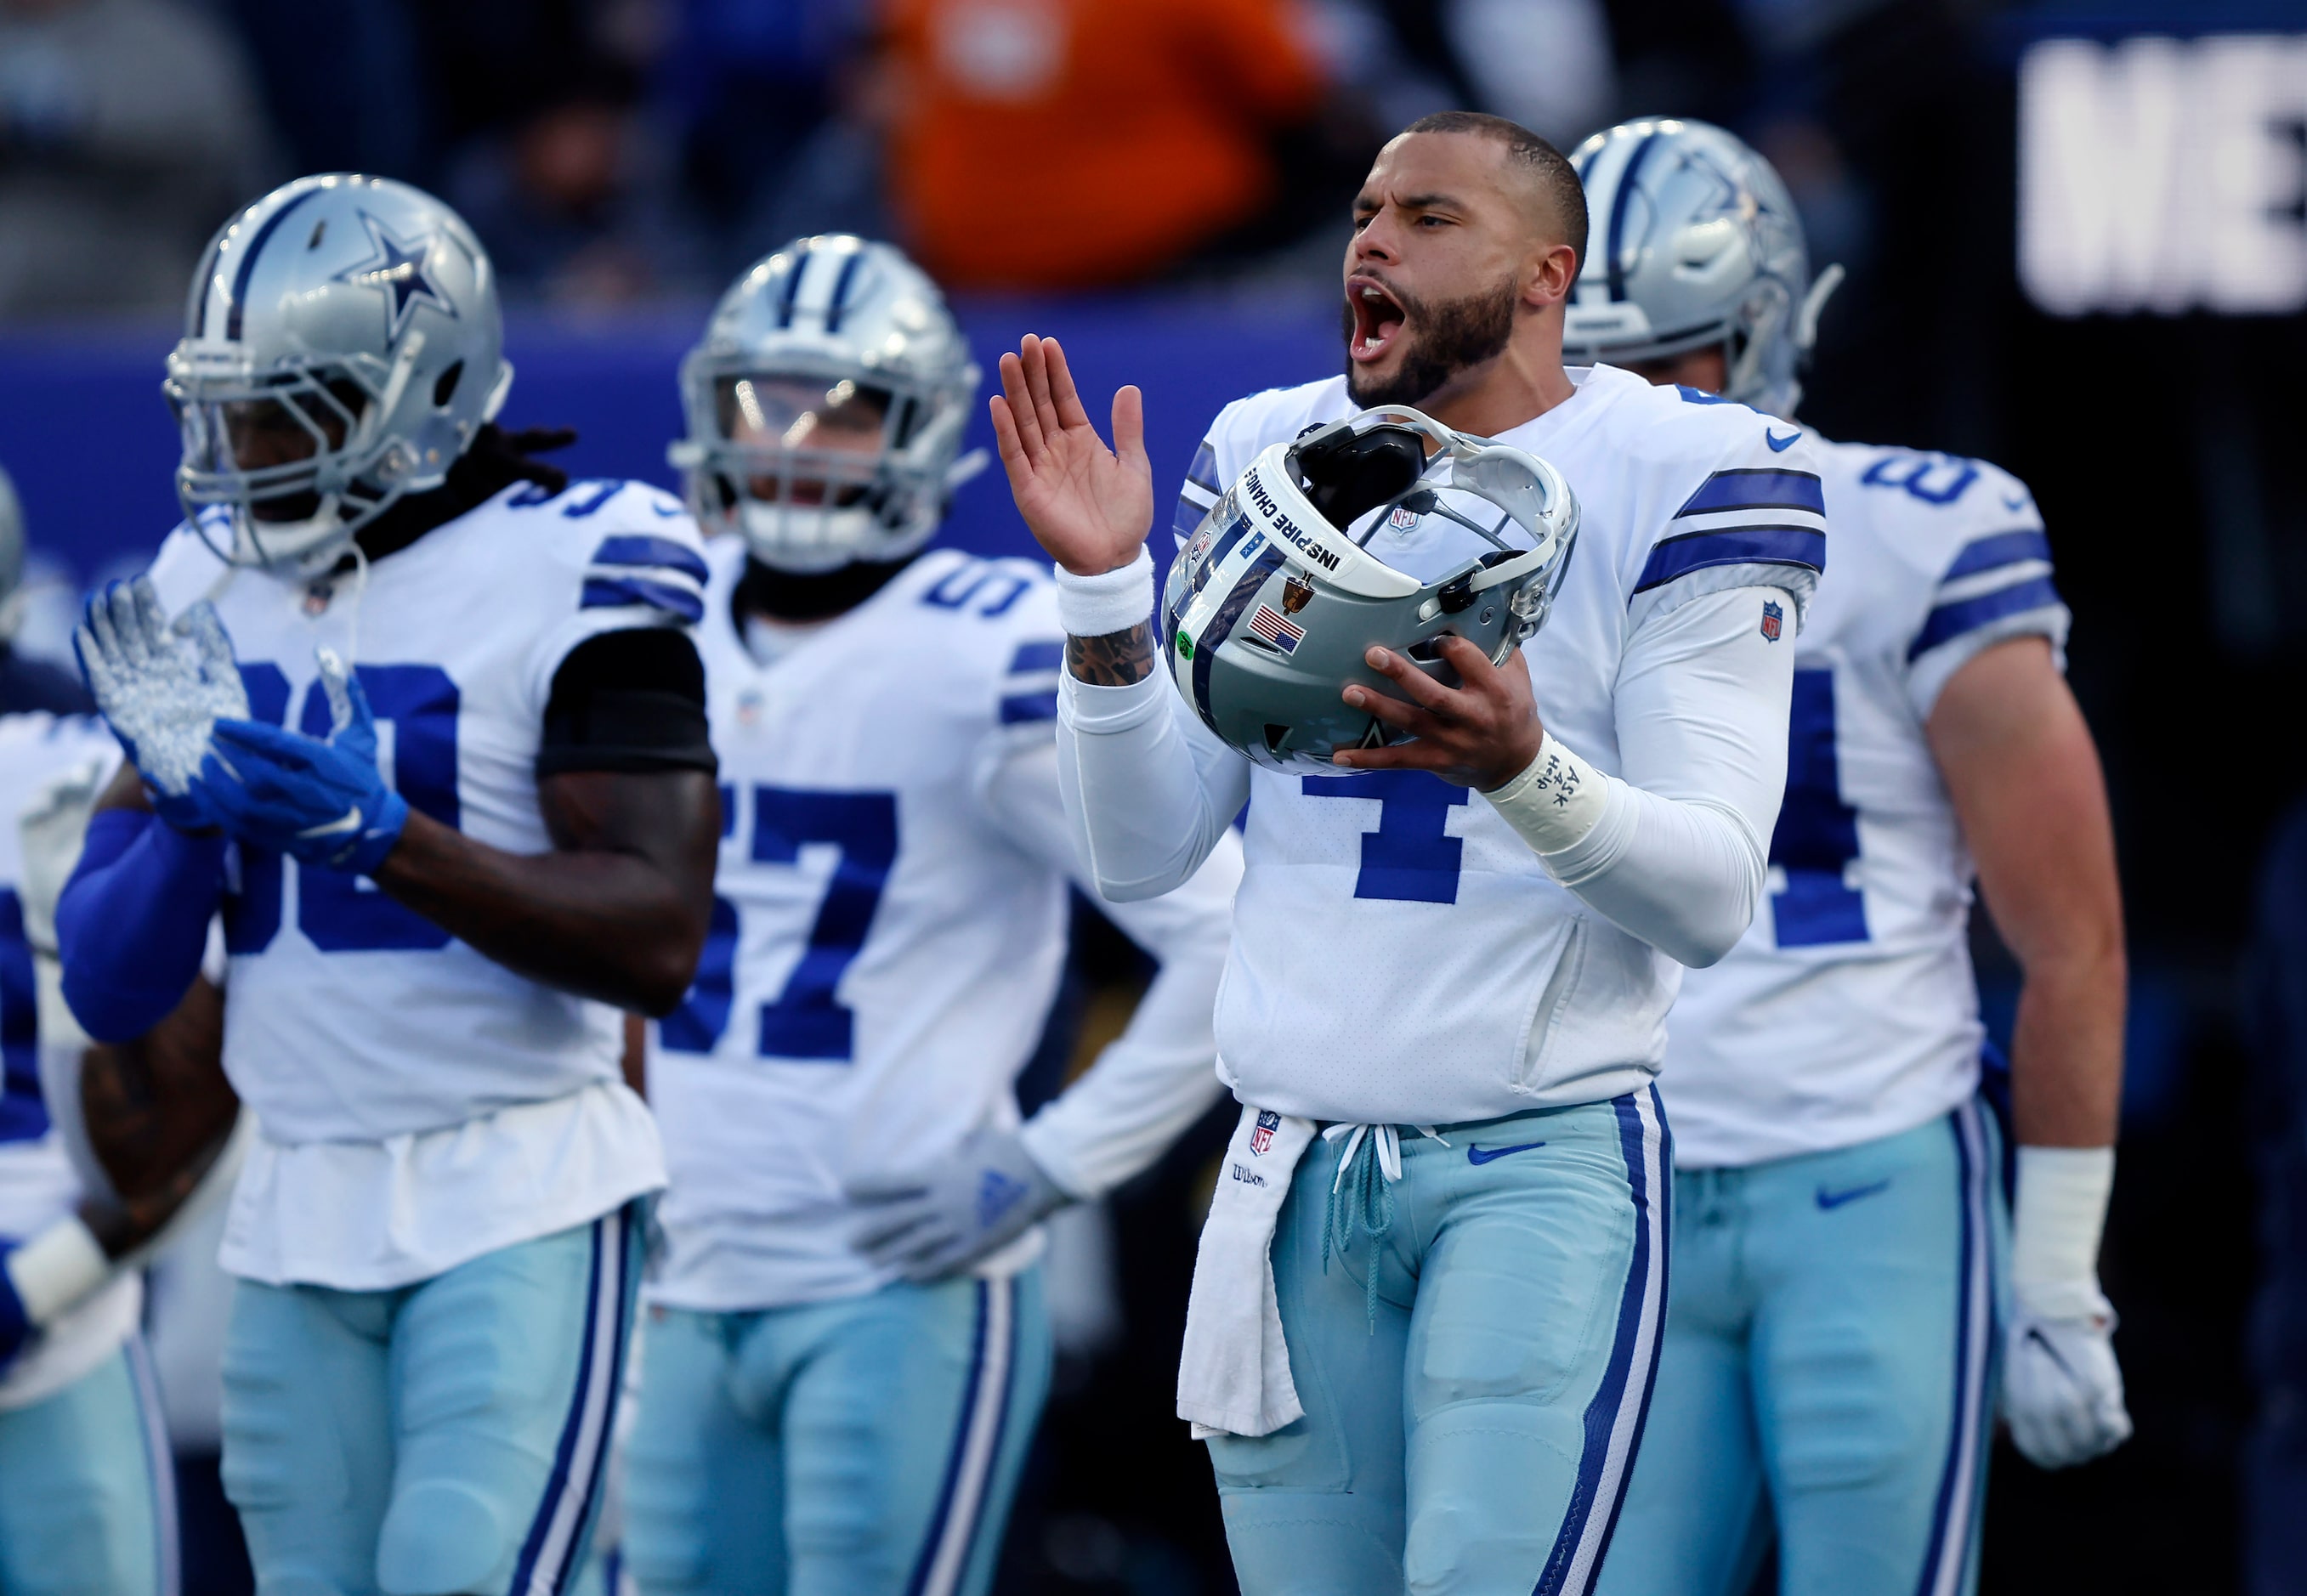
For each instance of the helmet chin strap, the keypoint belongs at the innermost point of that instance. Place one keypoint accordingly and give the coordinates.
(1822, 288)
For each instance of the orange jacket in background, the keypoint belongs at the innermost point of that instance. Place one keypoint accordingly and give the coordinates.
(1068, 143)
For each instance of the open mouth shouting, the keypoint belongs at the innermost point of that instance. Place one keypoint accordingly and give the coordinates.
(1377, 315)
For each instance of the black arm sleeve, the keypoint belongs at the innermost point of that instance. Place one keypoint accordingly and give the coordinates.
(628, 701)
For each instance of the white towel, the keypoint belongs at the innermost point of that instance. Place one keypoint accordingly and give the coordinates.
(1234, 1376)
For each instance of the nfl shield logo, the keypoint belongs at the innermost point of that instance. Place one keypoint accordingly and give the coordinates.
(1774, 620)
(1262, 1136)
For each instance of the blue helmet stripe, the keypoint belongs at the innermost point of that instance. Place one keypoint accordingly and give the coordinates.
(248, 261)
(791, 294)
(1620, 203)
(841, 290)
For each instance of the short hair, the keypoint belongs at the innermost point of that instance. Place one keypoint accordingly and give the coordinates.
(1549, 166)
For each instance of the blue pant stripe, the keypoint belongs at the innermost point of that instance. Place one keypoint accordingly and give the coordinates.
(1948, 1555)
(159, 1466)
(944, 1560)
(1614, 1418)
(546, 1554)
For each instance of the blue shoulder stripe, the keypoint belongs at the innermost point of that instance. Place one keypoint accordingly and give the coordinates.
(1802, 546)
(641, 548)
(1998, 549)
(1204, 472)
(1757, 487)
(1041, 654)
(1950, 621)
(618, 593)
(1019, 709)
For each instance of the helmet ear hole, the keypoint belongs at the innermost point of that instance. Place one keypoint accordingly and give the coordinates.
(444, 388)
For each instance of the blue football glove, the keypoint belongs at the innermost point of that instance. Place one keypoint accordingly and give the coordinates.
(943, 1219)
(324, 803)
(15, 1324)
(161, 700)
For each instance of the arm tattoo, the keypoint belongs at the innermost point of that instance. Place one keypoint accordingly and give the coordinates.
(1116, 660)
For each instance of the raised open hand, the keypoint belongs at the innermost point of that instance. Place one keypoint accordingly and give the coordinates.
(1089, 506)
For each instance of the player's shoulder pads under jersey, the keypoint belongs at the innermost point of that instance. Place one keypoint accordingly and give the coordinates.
(1742, 503)
(996, 619)
(1968, 536)
(1240, 431)
(633, 546)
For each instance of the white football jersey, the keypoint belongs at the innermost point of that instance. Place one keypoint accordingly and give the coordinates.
(37, 1186)
(889, 929)
(353, 1022)
(1400, 954)
(1849, 1011)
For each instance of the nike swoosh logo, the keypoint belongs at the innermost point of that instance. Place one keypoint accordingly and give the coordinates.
(349, 821)
(1835, 1200)
(1780, 445)
(1475, 1155)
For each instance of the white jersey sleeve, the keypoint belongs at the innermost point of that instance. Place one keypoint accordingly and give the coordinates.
(1161, 1074)
(1994, 581)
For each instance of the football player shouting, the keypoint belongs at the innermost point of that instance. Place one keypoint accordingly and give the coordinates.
(455, 801)
(847, 1351)
(1830, 1362)
(1467, 901)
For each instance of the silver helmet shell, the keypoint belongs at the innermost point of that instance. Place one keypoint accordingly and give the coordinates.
(342, 345)
(1348, 536)
(845, 320)
(1697, 243)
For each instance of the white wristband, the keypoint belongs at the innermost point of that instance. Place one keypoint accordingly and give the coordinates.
(1112, 602)
(2055, 1230)
(57, 1268)
(1554, 801)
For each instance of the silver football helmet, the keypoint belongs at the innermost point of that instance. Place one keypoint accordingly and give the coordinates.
(1697, 243)
(826, 406)
(1349, 536)
(342, 347)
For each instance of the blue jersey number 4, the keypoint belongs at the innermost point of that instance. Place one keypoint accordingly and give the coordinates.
(1411, 857)
(805, 1021)
(1816, 841)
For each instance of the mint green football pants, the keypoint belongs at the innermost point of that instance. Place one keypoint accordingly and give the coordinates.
(1472, 1409)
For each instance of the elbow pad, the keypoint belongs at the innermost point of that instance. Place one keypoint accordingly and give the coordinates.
(134, 921)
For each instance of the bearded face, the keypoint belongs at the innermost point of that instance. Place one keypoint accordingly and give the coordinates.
(1430, 341)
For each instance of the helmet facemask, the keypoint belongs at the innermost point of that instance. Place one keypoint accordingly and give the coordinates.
(297, 457)
(817, 469)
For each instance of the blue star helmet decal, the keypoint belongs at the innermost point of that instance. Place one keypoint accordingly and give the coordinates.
(397, 270)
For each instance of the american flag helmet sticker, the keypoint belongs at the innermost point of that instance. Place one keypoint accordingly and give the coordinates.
(1271, 625)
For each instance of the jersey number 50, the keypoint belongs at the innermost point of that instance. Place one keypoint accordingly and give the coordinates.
(340, 913)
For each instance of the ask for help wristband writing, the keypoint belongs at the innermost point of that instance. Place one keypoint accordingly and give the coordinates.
(1556, 801)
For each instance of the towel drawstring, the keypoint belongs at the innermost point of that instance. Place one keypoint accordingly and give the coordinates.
(1368, 1207)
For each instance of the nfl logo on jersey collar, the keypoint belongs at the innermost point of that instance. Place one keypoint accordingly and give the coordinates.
(1774, 620)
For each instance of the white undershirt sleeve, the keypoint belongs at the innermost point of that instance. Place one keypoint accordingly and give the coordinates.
(1147, 795)
(1160, 1075)
(1677, 853)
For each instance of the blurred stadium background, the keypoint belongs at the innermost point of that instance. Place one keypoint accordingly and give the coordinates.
(2077, 239)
